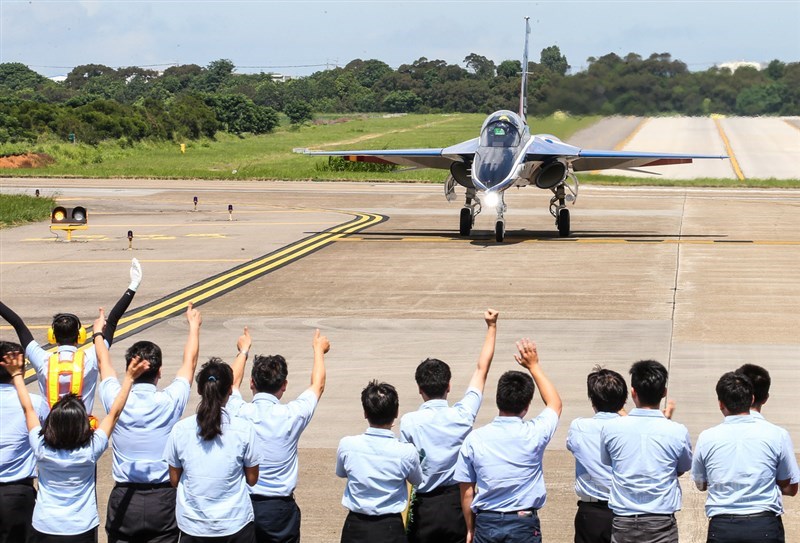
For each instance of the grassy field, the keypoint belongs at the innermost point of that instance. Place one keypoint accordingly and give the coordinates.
(271, 156)
(17, 209)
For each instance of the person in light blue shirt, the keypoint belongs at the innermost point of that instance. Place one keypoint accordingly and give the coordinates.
(141, 506)
(607, 392)
(499, 466)
(17, 463)
(377, 467)
(66, 451)
(745, 468)
(647, 453)
(437, 431)
(212, 460)
(278, 429)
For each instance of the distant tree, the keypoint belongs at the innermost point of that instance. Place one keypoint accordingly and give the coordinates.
(401, 102)
(192, 118)
(80, 75)
(775, 69)
(15, 76)
(238, 114)
(298, 112)
(481, 66)
(215, 76)
(553, 60)
(760, 100)
(509, 68)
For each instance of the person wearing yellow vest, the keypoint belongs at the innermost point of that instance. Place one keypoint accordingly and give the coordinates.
(70, 369)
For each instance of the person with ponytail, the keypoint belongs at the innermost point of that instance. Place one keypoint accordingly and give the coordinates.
(66, 451)
(212, 459)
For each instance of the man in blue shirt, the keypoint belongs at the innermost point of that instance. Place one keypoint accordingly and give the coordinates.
(437, 431)
(499, 465)
(17, 462)
(377, 467)
(647, 453)
(278, 429)
(141, 507)
(745, 468)
(608, 393)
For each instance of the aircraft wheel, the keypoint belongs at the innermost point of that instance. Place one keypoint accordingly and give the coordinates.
(499, 231)
(562, 222)
(465, 225)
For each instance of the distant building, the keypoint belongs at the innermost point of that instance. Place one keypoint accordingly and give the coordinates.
(735, 65)
(281, 78)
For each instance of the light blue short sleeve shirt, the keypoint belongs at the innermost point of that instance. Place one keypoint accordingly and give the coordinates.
(377, 467)
(646, 452)
(504, 461)
(66, 503)
(788, 446)
(40, 360)
(141, 434)
(592, 476)
(212, 492)
(437, 431)
(741, 461)
(278, 429)
(16, 455)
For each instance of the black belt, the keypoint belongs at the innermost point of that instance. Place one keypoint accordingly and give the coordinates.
(648, 515)
(438, 491)
(143, 486)
(22, 482)
(596, 503)
(261, 498)
(749, 515)
(520, 513)
(372, 518)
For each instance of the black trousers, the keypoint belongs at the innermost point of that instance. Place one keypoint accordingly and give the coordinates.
(746, 529)
(142, 514)
(85, 537)
(360, 528)
(277, 519)
(245, 535)
(16, 511)
(436, 517)
(593, 522)
(644, 529)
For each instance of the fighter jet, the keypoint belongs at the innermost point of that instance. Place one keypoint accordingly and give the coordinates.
(505, 155)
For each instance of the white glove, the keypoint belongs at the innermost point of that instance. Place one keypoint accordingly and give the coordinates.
(136, 275)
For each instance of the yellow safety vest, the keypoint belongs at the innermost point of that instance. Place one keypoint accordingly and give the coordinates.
(57, 368)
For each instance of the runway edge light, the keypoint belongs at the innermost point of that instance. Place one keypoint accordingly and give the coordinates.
(69, 219)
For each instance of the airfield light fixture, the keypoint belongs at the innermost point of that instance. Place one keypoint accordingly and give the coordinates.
(230, 212)
(130, 240)
(69, 219)
(37, 193)
(195, 202)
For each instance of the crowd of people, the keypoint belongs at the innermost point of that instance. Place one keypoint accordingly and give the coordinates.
(228, 473)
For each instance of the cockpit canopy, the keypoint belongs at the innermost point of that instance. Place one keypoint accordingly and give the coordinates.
(502, 129)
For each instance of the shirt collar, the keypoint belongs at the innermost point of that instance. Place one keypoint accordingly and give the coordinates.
(267, 397)
(605, 415)
(756, 415)
(70, 348)
(434, 404)
(7, 386)
(639, 412)
(733, 419)
(507, 420)
(380, 432)
(143, 387)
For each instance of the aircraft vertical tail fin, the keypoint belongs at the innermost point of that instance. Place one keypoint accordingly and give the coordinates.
(523, 92)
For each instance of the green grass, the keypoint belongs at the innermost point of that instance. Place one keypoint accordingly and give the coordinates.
(16, 209)
(657, 181)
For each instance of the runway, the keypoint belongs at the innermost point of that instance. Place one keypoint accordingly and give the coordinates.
(702, 280)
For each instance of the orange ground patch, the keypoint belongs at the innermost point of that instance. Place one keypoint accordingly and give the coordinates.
(27, 160)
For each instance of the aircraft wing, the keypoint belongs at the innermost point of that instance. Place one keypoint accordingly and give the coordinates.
(418, 158)
(588, 159)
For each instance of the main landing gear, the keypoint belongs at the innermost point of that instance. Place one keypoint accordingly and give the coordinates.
(471, 209)
(558, 204)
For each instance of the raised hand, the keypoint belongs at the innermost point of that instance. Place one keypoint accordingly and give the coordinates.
(528, 356)
(320, 343)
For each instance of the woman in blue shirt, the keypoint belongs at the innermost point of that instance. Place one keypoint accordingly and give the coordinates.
(212, 460)
(67, 450)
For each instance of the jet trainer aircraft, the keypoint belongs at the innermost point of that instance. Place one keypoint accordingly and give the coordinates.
(507, 155)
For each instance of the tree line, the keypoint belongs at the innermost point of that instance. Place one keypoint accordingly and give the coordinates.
(97, 102)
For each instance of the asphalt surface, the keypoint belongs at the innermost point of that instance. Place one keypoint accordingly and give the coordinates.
(702, 280)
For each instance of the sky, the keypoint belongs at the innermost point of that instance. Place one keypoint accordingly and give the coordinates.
(300, 37)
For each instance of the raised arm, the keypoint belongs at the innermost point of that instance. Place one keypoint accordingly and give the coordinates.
(23, 333)
(122, 304)
(104, 361)
(321, 346)
(243, 344)
(192, 349)
(14, 362)
(528, 358)
(487, 353)
(136, 368)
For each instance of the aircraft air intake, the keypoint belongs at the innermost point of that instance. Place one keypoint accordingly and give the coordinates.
(550, 174)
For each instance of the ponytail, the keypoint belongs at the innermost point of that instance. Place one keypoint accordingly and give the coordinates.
(214, 385)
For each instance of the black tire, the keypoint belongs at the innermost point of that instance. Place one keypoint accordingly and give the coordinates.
(499, 231)
(562, 222)
(465, 224)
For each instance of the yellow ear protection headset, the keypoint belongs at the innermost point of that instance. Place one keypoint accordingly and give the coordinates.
(51, 334)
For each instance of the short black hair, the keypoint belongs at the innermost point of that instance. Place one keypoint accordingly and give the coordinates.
(65, 328)
(514, 392)
(761, 381)
(269, 373)
(145, 350)
(607, 390)
(649, 380)
(67, 426)
(380, 403)
(433, 377)
(5, 348)
(735, 391)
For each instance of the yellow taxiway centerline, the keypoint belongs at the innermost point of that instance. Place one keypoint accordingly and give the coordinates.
(734, 163)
